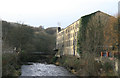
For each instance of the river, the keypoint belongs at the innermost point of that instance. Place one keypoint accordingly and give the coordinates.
(40, 69)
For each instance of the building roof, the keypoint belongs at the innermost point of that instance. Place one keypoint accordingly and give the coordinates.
(88, 15)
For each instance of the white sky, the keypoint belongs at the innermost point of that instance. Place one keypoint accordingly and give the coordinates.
(49, 12)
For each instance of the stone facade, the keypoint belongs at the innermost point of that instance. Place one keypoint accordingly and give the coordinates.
(67, 38)
(66, 41)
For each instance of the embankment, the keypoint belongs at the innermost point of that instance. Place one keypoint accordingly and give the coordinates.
(86, 66)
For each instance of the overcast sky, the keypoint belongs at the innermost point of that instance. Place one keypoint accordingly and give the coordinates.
(49, 12)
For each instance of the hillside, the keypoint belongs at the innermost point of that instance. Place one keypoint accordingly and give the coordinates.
(28, 38)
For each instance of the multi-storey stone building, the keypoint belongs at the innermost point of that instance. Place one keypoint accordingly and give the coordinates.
(67, 38)
(66, 41)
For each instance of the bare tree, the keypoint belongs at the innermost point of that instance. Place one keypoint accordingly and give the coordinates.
(98, 33)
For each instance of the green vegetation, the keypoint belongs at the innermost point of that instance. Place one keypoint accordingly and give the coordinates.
(97, 33)
(20, 41)
(27, 38)
(87, 66)
(10, 65)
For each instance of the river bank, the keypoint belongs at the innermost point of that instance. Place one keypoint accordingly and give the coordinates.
(12, 62)
(10, 65)
(86, 66)
(71, 64)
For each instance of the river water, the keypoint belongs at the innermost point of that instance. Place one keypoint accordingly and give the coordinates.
(40, 69)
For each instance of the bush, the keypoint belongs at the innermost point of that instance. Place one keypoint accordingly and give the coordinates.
(54, 59)
(107, 66)
(85, 66)
(10, 66)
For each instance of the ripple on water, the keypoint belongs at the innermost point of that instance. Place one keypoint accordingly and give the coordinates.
(39, 69)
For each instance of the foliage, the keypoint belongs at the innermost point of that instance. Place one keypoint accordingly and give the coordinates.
(10, 65)
(54, 59)
(20, 41)
(96, 33)
(87, 66)
(108, 66)
(51, 31)
(44, 42)
(29, 39)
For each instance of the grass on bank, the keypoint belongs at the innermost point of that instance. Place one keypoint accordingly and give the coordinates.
(10, 64)
(86, 66)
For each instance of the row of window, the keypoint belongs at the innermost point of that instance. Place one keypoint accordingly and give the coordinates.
(67, 43)
(70, 43)
(69, 29)
(71, 35)
(66, 37)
